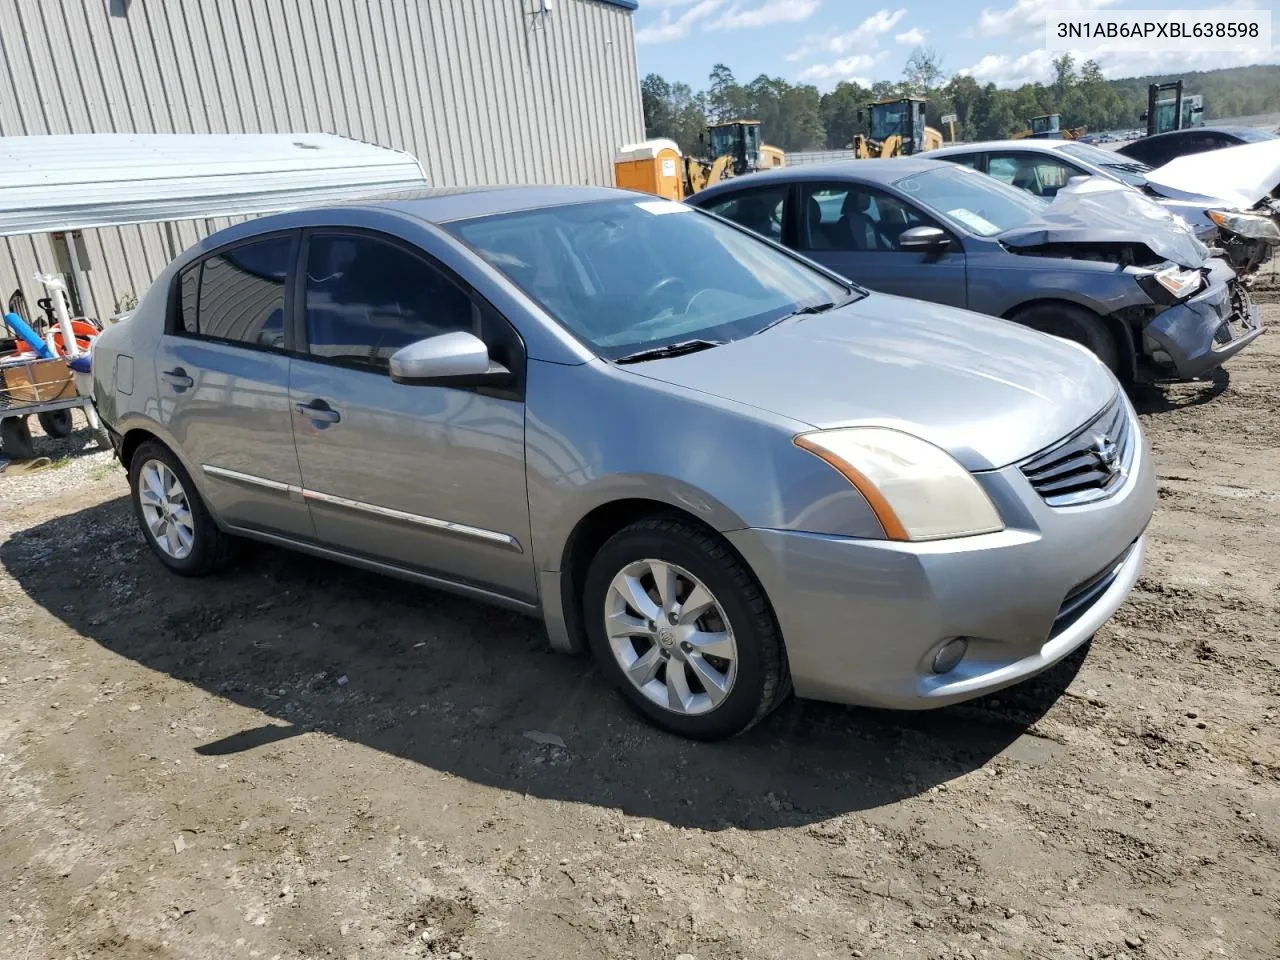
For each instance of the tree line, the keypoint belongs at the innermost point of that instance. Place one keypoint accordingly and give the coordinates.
(798, 117)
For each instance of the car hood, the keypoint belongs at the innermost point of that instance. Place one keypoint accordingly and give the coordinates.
(1093, 211)
(988, 391)
(1240, 176)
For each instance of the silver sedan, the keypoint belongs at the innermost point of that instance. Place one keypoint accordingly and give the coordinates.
(720, 467)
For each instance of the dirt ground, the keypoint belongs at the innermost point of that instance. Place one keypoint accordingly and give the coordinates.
(295, 760)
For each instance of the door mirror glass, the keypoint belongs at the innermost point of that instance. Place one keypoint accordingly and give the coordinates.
(447, 359)
(923, 238)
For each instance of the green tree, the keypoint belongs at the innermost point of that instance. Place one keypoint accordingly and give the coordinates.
(923, 72)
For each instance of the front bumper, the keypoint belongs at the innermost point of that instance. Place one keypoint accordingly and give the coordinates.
(1207, 330)
(863, 619)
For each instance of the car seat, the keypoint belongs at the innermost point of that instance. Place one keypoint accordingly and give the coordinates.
(855, 227)
(815, 230)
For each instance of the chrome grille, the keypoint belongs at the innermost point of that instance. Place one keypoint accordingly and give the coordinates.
(1089, 464)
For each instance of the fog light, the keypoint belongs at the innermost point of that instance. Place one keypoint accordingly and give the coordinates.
(951, 653)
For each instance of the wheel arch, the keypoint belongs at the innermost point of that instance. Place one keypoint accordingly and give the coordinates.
(563, 610)
(1121, 332)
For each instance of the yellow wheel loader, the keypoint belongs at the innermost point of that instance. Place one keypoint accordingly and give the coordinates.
(897, 128)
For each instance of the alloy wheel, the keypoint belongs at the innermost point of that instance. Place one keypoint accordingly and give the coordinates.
(166, 509)
(670, 636)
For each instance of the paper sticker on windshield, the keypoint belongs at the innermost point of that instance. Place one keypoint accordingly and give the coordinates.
(979, 225)
(657, 207)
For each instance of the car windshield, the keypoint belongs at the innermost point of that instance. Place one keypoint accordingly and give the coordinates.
(1116, 164)
(976, 203)
(638, 274)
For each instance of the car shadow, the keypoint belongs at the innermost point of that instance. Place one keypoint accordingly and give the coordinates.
(474, 691)
(1163, 398)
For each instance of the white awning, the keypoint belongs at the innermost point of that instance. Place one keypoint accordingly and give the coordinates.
(80, 181)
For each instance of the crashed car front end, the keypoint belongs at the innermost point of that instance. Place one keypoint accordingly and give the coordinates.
(1196, 333)
(1238, 190)
(1187, 311)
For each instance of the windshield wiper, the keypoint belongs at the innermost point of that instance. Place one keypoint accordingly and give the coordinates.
(670, 350)
(807, 310)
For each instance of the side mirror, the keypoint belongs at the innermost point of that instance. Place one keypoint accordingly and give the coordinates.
(923, 239)
(457, 359)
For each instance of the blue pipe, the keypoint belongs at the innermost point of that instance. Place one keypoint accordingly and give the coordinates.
(26, 333)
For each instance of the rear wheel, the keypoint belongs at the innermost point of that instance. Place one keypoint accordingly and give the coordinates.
(173, 518)
(682, 628)
(1075, 323)
(15, 439)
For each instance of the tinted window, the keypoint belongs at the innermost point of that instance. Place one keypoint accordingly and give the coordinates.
(976, 204)
(365, 299)
(1253, 135)
(849, 216)
(759, 210)
(965, 159)
(625, 275)
(189, 293)
(1037, 173)
(241, 293)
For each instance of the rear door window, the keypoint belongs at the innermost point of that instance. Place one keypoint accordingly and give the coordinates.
(759, 210)
(238, 295)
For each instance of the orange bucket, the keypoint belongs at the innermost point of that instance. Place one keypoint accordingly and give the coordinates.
(82, 330)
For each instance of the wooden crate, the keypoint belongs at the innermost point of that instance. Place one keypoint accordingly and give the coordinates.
(38, 381)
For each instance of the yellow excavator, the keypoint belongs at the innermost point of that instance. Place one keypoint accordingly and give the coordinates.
(735, 150)
(897, 128)
(1049, 127)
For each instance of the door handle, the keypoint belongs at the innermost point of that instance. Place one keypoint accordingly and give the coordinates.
(177, 378)
(318, 411)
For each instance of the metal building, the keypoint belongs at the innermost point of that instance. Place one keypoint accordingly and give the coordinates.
(481, 91)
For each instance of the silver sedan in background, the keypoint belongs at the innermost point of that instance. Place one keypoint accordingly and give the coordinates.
(722, 468)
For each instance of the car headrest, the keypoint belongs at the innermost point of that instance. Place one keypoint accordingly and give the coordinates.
(855, 201)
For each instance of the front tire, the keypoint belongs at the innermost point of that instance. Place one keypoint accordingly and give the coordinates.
(174, 520)
(682, 628)
(1075, 323)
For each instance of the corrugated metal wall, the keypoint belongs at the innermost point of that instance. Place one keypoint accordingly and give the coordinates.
(481, 91)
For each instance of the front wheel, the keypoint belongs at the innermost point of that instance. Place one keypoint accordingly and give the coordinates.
(1070, 322)
(56, 423)
(683, 629)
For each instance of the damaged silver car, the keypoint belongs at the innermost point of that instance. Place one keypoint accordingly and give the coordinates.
(1228, 198)
(1100, 264)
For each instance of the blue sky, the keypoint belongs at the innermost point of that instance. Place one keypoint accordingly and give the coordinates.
(825, 41)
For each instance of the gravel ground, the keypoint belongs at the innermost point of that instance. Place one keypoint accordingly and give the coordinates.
(296, 760)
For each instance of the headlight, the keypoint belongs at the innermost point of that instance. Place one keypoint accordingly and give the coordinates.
(1249, 225)
(917, 491)
(1171, 285)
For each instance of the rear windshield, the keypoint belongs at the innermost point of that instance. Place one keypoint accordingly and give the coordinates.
(631, 274)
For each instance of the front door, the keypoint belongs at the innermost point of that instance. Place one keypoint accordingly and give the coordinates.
(853, 229)
(223, 370)
(427, 477)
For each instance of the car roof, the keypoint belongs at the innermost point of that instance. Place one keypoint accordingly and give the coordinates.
(445, 204)
(1234, 131)
(1026, 143)
(870, 171)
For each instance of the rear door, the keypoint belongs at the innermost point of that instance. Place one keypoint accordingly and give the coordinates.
(426, 477)
(761, 209)
(223, 368)
(853, 229)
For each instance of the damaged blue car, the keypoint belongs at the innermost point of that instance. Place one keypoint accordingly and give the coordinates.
(1098, 264)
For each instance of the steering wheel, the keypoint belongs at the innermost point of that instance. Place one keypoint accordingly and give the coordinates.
(662, 286)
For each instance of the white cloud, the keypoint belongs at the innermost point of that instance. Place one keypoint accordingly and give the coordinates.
(1027, 16)
(853, 68)
(910, 38)
(770, 11)
(866, 33)
(670, 27)
(1037, 65)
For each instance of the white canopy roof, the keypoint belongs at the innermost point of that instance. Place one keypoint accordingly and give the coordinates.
(95, 180)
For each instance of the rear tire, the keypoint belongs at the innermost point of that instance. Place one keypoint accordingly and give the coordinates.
(1075, 323)
(730, 658)
(174, 520)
